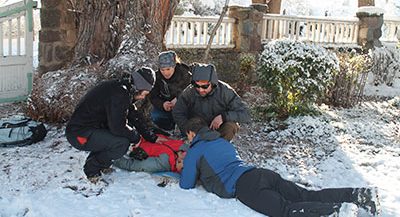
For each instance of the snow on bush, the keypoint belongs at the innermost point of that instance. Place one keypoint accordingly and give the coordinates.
(385, 66)
(296, 74)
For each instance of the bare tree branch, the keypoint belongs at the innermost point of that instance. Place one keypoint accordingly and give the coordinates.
(214, 31)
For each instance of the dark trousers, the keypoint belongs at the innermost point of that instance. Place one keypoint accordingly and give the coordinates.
(162, 119)
(103, 146)
(267, 192)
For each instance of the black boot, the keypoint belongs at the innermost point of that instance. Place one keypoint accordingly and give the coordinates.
(93, 166)
(367, 198)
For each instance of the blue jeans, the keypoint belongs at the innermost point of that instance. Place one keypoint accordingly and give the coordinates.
(162, 119)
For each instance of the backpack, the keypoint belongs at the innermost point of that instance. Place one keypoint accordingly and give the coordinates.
(20, 131)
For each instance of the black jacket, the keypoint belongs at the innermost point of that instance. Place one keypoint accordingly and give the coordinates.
(167, 89)
(222, 100)
(109, 105)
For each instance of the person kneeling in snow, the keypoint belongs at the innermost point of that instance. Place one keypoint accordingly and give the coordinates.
(154, 157)
(215, 162)
(106, 121)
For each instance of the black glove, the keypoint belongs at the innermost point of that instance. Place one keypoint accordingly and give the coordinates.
(138, 154)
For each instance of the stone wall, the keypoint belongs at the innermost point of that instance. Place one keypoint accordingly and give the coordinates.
(57, 35)
(226, 61)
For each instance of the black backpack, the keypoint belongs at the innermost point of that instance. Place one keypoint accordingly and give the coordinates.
(20, 132)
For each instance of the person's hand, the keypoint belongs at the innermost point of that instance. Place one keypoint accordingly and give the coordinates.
(216, 122)
(161, 139)
(173, 101)
(133, 145)
(167, 105)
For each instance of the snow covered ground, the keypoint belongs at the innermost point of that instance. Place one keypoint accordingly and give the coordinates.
(342, 147)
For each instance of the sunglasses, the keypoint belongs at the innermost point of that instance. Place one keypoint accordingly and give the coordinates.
(204, 86)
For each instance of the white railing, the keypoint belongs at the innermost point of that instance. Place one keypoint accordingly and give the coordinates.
(16, 51)
(324, 30)
(194, 32)
(390, 30)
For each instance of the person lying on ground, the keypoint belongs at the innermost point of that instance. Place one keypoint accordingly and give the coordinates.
(154, 157)
(215, 163)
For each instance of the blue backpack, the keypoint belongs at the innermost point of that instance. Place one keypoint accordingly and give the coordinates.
(20, 131)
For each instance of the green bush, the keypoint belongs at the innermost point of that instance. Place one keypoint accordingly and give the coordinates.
(246, 73)
(296, 74)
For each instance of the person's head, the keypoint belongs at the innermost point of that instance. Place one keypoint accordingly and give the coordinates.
(167, 61)
(143, 81)
(204, 78)
(193, 126)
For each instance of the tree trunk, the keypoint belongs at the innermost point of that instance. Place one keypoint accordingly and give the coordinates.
(362, 3)
(100, 29)
(114, 37)
(274, 6)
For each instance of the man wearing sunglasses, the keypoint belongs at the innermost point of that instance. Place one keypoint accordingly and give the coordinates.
(213, 100)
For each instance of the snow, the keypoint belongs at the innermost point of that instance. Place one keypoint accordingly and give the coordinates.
(371, 10)
(339, 148)
(353, 147)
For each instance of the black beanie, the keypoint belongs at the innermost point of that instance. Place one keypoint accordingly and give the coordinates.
(144, 78)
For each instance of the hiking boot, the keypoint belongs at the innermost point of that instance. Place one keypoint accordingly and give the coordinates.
(367, 198)
(94, 179)
(345, 210)
(106, 171)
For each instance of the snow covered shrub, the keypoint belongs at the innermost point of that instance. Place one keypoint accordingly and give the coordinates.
(296, 74)
(349, 82)
(385, 65)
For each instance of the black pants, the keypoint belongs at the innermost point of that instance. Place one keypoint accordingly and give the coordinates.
(267, 192)
(103, 146)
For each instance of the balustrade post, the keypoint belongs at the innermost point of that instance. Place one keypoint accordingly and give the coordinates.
(247, 28)
(370, 27)
(57, 36)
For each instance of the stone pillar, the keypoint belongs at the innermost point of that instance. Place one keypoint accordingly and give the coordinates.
(247, 30)
(370, 27)
(57, 36)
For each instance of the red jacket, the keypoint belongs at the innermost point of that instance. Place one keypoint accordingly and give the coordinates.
(169, 147)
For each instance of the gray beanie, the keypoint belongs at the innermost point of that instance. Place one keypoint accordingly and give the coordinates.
(205, 72)
(144, 79)
(167, 59)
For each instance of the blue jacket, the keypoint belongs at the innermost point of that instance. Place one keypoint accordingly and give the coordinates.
(215, 162)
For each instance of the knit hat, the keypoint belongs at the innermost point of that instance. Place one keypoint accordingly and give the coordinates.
(144, 79)
(167, 59)
(204, 72)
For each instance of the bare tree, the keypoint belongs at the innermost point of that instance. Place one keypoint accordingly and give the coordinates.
(214, 31)
(114, 36)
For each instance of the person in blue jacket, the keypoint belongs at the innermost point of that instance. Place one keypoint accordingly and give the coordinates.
(215, 163)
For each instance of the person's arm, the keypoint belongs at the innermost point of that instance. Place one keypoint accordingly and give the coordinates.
(237, 110)
(137, 119)
(184, 79)
(116, 119)
(180, 112)
(155, 96)
(189, 173)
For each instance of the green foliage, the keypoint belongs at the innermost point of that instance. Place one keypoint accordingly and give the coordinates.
(246, 70)
(349, 82)
(296, 74)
